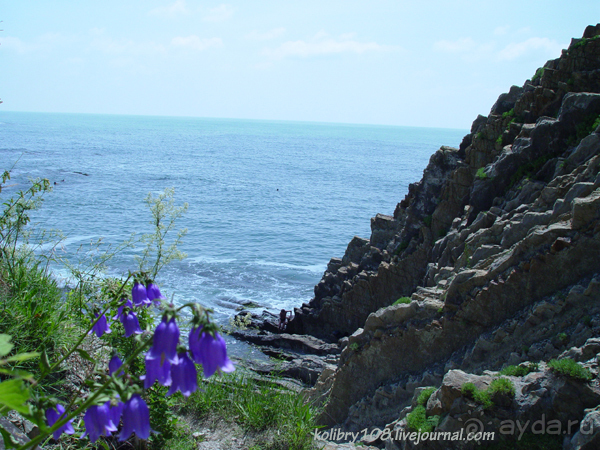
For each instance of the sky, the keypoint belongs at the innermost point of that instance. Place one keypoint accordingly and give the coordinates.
(428, 63)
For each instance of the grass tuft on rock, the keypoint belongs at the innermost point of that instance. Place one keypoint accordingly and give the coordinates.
(570, 368)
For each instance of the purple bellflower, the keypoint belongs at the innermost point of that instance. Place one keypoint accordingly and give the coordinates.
(99, 421)
(165, 340)
(157, 369)
(130, 323)
(194, 343)
(154, 294)
(101, 326)
(184, 375)
(136, 418)
(126, 304)
(115, 364)
(53, 416)
(211, 353)
(139, 295)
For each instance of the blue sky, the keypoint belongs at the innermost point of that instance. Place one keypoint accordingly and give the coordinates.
(432, 63)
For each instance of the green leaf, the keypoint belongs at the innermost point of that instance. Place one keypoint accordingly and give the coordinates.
(23, 356)
(5, 345)
(17, 373)
(14, 394)
(85, 355)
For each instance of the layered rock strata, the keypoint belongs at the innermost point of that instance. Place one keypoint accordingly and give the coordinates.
(497, 247)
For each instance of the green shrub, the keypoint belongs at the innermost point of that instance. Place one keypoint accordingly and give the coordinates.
(501, 386)
(481, 173)
(510, 113)
(570, 368)
(417, 420)
(480, 396)
(424, 396)
(402, 301)
(520, 371)
(427, 220)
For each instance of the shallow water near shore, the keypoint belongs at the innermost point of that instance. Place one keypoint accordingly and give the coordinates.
(269, 202)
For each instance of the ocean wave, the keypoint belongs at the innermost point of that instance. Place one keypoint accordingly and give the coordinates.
(314, 268)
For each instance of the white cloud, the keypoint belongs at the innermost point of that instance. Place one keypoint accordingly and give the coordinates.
(534, 44)
(321, 45)
(195, 43)
(219, 14)
(43, 42)
(265, 36)
(179, 7)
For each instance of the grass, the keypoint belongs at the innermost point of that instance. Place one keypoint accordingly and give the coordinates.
(500, 387)
(570, 368)
(520, 371)
(256, 405)
(402, 301)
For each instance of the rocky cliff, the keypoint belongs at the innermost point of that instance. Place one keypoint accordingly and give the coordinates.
(498, 250)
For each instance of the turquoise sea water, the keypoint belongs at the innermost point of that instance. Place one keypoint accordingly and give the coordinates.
(269, 202)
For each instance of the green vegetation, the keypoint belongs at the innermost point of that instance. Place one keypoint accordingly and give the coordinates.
(354, 346)
(584, 128)
(570, 368)
(481, 175)
(281, 416)
(497, 388)
(402, 301)
(528, 170)
(538, 73)
(510, 113)
(417, 420)
(583, 42)
(47, 323)
(520, 370)
(423, 397)
(499, 140)
(427, 220)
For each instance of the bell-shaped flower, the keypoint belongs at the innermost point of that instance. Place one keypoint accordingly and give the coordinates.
(136, 418)
(115, 364)
(126, 304)
(154, 294)
(99, 421)
(130, 323)
(165, 340)
(184, 376)
(157, 369)
(115, 412)
(53, 416)
(213, 354)
(194, 343)
(139, 295)
(101, 326)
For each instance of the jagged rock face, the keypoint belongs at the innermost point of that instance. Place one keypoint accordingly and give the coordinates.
(493, 228)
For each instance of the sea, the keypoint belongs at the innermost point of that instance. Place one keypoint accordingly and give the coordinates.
(269, 202)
